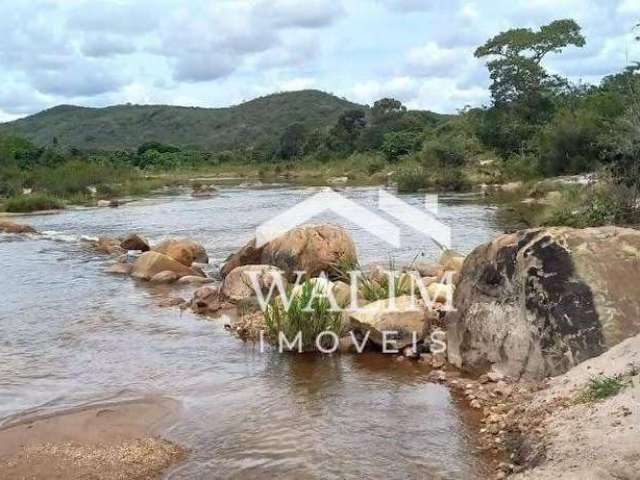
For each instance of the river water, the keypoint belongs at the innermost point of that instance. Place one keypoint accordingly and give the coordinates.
(71, 334)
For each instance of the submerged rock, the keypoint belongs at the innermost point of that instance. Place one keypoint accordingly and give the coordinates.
(151, 263)
(536, 302)
(183, 250)
(309, 248)
(12, 227)
(120, 268)
(109, 245)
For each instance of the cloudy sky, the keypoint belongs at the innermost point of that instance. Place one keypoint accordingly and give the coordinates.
(221, 52)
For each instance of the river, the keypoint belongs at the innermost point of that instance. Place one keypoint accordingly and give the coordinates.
(71, 334)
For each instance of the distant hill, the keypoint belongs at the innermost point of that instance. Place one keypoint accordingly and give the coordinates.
(128, 126)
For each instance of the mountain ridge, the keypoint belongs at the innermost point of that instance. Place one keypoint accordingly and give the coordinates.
(126, 126)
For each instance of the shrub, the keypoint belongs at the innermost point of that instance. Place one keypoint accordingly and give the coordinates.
(375, 167)
(397, 144)
(412, 180)
(308, 314)
(568, 143)
(452, 180)
(32, 203)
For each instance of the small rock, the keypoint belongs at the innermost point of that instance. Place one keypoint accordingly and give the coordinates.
(166, 276)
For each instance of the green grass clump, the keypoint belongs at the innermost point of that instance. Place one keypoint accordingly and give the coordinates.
(412, 180)
(33, 203)
(602, 387)
(299, 318)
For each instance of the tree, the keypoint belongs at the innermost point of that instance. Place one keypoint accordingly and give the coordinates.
(386, 109)
(346, 131)
(397, 144)
(292, 141)
(516, 55)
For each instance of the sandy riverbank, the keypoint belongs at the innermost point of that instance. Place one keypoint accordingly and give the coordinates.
(108, 441)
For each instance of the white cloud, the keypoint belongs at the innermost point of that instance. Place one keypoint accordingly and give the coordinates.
(219, 52)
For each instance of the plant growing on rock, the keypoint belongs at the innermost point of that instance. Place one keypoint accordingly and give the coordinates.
(308, 314)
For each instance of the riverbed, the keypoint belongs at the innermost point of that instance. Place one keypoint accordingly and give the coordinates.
(72, 335)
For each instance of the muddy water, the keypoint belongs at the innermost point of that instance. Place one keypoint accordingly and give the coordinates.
(70, 334)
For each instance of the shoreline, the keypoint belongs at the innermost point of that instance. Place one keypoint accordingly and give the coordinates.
(111, 440)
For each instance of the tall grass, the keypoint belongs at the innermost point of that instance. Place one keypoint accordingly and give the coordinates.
(308, 314)
(32, 203)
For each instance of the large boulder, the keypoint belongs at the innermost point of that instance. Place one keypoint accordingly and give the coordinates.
(401, 315)
(309, 248)
(536, 302)
(237, 285)
(151, 263)
(12, 227)
(183, 250)
(135, 241)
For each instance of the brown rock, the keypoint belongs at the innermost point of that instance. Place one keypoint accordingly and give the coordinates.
(166, 276)
(110, 245)
(120, 269)
(183, 250)
(451, 261)
(403, 318)
(309, 248)
(237, 285)
(12, 227)
(135, 241)
(151, 263)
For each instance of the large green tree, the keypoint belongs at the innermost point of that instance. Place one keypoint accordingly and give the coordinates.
(516, 55)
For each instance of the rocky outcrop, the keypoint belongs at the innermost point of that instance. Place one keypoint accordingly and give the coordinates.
(12, 227)
(536, 302)
(183, 250)
(309, 248)
(401, 315)
(151, 263)
(238, 284)
(135, 241)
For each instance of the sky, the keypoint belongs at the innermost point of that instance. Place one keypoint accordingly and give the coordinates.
(221, 52)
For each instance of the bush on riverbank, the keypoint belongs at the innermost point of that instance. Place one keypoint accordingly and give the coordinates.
(32, 203)
(612, 199)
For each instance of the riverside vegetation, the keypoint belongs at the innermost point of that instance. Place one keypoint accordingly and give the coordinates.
(538, 125)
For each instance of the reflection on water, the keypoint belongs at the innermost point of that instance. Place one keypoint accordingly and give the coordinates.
(70, 333)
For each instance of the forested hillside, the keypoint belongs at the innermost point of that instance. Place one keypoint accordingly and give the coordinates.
(126, 127)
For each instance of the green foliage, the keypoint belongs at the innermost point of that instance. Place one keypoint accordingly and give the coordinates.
(614, 199)
(32, 203)
(515, 69)
(344, 134)
(292, 141)
(126, 127)
(568, 144)
(308, 314)
(397, 144)
(602, 387)
(412, 180)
